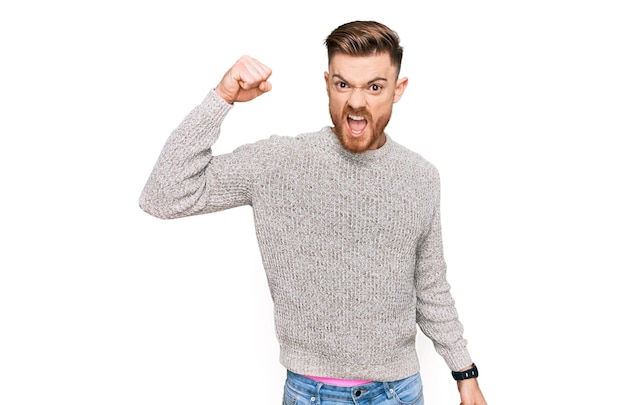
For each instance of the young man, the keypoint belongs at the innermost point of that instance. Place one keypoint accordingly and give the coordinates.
(347, 222)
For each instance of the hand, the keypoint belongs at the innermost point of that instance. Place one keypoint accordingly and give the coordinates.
(246, 80)
(470, 392)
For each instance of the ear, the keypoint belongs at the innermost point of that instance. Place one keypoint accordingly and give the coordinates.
(399, 90)
(326, 75)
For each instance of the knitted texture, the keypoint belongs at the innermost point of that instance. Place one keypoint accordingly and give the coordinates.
(351, 243)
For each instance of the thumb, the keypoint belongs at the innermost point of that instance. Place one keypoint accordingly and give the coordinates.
(265, 86)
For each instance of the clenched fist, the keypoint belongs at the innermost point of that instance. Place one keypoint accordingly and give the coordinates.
(244, 81)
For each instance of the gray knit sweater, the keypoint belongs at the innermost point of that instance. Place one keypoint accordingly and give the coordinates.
(351, 243)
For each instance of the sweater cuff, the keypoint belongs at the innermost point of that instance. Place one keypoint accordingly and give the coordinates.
(458, 361)
(217, 105)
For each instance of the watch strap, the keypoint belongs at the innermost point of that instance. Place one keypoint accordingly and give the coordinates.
(467, 374)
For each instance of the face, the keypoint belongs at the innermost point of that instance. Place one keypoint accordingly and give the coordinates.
(361, 93)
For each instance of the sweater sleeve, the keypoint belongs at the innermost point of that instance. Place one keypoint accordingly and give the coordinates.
(436, 312)
(187, 179)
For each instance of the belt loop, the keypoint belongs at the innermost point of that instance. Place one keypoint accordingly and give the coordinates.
(388, 390)
(317, 399)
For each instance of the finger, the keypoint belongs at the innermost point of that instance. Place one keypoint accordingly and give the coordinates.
(251, 79)
(256, 68)
(251, 73)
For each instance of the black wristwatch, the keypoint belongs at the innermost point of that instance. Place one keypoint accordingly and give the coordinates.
(464, 375)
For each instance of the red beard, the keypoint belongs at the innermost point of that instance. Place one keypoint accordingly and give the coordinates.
(374, 130)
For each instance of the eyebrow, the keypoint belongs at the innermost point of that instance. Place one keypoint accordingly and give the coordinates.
(377, 79)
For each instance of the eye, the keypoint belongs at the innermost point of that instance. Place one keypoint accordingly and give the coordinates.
(375, 88)
(341, 85)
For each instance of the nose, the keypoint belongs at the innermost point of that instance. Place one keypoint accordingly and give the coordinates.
(356, 99)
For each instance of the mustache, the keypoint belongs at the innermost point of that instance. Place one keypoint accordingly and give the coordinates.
(362, 112)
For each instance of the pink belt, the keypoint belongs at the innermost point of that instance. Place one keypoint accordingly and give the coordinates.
(339, 382)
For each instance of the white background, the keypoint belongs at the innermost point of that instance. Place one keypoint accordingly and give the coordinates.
(521, 105)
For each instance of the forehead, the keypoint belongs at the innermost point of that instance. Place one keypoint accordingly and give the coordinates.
(362, 68)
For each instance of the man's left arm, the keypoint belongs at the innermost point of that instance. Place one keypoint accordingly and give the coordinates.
(436, 312)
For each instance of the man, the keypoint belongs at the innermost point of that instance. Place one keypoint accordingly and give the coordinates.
(347, 222)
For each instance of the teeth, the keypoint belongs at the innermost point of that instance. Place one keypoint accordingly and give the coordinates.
(356, 118)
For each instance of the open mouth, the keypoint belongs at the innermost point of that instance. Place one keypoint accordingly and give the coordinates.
(357, 124)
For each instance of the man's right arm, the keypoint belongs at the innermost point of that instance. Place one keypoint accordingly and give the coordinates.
(187, 179)
(178, 185)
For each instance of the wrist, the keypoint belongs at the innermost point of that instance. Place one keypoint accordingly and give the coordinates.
(223, 95)
(466, 374)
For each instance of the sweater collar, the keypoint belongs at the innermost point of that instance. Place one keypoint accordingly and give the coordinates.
(368, 155)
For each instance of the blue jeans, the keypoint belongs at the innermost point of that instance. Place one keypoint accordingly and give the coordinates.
(300, 390)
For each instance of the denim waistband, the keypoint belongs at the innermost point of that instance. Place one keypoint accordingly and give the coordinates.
(315, 389)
